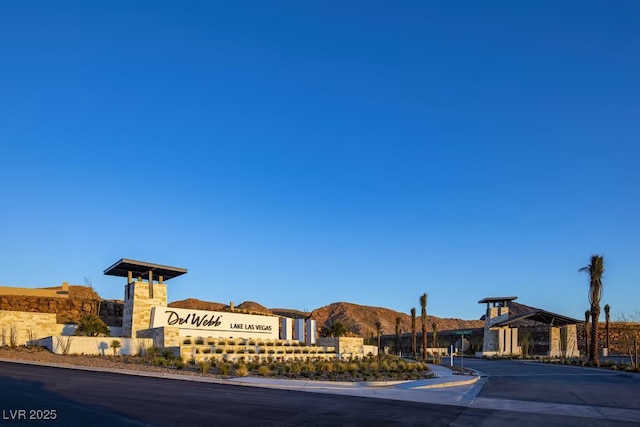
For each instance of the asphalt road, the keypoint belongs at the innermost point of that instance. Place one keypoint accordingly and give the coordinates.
(82, 398)
(541, 382)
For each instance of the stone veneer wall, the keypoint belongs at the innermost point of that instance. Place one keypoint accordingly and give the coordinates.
(491, 337)
(232, 350)
(26, 326)
(162, 337)
(93, 345)
(137, 306)
(348, 346)
(67, 310)
(497, 314)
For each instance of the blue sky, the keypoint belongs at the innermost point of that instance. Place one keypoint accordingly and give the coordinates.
(298, 154)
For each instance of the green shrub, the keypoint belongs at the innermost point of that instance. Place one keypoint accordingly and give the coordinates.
(158, 361)
(204, 366)
(264, 371)
(167, 354)
(151, 352)
(242, 370)
(199, 341)
(224, 368)
(187, 341)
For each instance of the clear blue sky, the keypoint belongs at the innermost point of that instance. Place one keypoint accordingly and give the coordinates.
(298, 154)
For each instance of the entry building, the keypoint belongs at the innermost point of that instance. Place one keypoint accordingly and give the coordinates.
(516, 329)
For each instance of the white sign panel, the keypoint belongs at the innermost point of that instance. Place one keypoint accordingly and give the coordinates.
(219, 324)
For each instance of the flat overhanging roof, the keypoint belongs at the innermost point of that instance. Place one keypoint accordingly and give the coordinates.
(496, 299)
(142, 269)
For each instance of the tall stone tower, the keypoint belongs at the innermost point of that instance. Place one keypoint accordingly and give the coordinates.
(145, 289)
(498, 339)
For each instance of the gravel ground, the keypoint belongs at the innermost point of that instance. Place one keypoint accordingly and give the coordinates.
(39, 354)
(136, 363)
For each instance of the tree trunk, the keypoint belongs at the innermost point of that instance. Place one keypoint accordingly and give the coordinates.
(414, 345)
(635, 346)
(424, 342)
(593, 348)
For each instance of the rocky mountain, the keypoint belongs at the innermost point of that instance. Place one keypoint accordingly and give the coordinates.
(287, 312)
(361, 319)
(254, 307)
(196, 304)
(358, 319)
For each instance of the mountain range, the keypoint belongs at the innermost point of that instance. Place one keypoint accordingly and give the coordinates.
(359, 320)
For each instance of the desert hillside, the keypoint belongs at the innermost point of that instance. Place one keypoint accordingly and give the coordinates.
(361, 319)
(196, 304)
(358, 319)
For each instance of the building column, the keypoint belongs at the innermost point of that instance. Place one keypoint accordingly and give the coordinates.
(150, 284)
(311, 332)
(299, 330)
(287, 328)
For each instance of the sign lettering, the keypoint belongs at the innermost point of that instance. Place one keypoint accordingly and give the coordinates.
(215, 323)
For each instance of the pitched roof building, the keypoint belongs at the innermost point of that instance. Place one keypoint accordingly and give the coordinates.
(505, 317)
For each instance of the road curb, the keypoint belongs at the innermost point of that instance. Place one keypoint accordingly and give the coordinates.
(253, 381)
(448, 384)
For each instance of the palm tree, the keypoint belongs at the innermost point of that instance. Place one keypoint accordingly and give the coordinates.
(337, 330)
(423, 318)
(413, 332)
(115, 345)
(398, 330)
(595, 270)
(587, 315)
(378, 326)
(434, 329)
(92, 326)
(606, 325)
